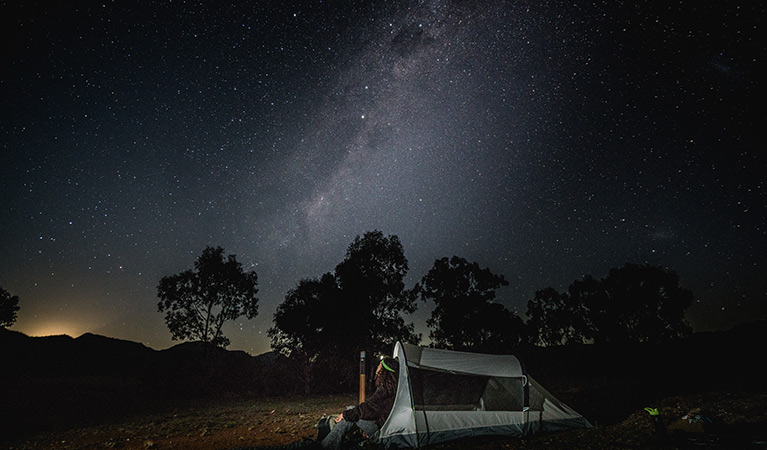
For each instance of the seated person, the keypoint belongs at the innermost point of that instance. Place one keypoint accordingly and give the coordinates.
(369, 415)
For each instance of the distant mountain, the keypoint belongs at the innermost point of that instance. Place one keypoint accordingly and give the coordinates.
(59, 380)
(94, 355)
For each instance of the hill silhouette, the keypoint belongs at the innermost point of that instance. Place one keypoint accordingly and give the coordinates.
(59, 382)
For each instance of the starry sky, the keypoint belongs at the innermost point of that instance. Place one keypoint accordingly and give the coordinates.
(545, 140)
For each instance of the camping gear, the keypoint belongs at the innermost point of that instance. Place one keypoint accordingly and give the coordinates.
(444, 395)
(695, 421)
(657, 421)
(324, 426)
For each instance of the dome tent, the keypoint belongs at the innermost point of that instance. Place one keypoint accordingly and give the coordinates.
(444, 395)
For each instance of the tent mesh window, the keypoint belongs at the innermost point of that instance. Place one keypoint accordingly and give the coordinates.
(436, 390)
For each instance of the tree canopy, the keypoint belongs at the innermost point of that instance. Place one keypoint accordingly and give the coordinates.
(371, 279)
(9, 305)
(465, 316)
(553, 319)
(635, 303)
(198, 302)
(325, 322)
(302, 321)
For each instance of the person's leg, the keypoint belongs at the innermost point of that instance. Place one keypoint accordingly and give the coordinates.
(368, 427)
(333, 440)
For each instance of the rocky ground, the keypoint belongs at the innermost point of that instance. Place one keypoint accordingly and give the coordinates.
(737, 420)
(206, 425)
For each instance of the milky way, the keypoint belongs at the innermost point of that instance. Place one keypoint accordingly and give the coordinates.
(545, 141)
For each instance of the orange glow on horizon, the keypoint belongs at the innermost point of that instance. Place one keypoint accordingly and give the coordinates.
(54, 329)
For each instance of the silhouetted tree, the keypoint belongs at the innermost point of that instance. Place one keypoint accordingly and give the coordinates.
(371, 278)
(324, 323)
(553, 319)
(198, 302)
(638, 304)
(304, 324)
(9, 304)
(632, 304)
(465, 316)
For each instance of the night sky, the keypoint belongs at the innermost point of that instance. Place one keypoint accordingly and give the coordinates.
(544, 140)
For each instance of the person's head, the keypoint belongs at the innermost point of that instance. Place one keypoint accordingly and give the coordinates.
(387, 371)
(388, 364)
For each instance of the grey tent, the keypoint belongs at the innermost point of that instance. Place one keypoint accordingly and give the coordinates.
(444, 395)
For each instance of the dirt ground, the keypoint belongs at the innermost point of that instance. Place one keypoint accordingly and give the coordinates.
(196, 426)
(740, 421)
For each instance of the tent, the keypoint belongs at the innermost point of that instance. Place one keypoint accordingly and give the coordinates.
(444, 395)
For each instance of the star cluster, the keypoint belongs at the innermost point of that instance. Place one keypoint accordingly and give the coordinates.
(545, 140)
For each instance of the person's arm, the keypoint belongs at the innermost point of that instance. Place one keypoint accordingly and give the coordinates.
(367, 410)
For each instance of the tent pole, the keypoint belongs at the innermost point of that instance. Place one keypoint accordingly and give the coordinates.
(362, 376)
